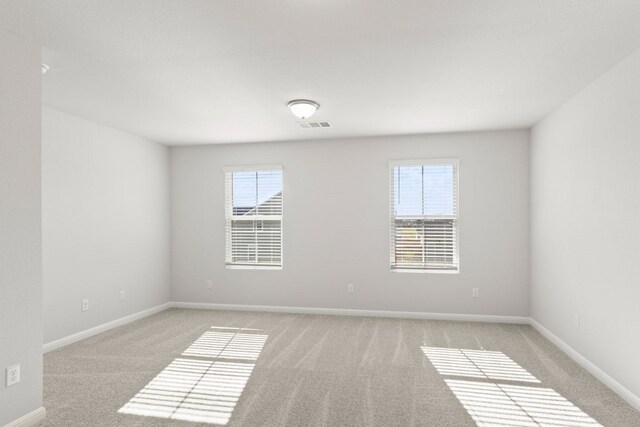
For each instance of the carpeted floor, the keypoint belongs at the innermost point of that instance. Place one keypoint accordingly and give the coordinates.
(199, 367)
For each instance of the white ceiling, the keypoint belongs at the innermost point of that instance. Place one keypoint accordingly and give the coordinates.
(212, 71)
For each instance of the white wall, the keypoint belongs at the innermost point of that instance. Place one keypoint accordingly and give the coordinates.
(106, 210)
(20, 226)
(336, 197)
(585, 215)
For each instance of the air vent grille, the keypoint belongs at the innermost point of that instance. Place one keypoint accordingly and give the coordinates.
(314, 125)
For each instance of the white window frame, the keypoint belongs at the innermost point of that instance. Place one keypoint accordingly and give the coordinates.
(392, 217)
(228, 216)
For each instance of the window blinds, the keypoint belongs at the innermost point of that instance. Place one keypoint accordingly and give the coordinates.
(424, 215)
(253, 208)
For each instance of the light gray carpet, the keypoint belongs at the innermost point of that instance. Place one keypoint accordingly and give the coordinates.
(321, 370)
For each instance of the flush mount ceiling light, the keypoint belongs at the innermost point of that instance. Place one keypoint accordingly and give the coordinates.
(45, 68)
(303, 108)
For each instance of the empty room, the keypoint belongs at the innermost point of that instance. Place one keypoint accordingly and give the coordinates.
(319, 213)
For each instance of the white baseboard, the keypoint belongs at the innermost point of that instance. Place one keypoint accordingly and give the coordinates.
(355, 312)
(53, 345)
(601, 375)
(29, 420)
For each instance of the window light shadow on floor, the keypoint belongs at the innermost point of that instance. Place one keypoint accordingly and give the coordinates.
(205, 384)
(477, 363)
(521, 401)
(501, 404)
(228, 345)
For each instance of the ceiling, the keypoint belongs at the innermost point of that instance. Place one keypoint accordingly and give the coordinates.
(220, 71)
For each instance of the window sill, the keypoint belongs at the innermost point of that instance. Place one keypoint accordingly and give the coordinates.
(253, 267)
(423, 270)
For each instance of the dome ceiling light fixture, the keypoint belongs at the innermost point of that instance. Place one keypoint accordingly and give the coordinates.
(303, 108)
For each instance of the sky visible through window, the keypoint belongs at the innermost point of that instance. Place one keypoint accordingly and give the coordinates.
(251, 189)
(423, 190)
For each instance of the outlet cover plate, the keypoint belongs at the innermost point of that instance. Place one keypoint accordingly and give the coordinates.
(13, 375)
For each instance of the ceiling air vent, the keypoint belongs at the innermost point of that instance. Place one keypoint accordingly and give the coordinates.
(312, 125)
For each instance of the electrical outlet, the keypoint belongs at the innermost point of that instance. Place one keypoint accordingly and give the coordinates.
(123, 295)
(13, 375)
(209, 284)
(350, 288)
(475, 293)
(85, 304)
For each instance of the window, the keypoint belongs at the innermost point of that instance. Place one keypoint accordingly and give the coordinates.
(424, 215)
(253, 216)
